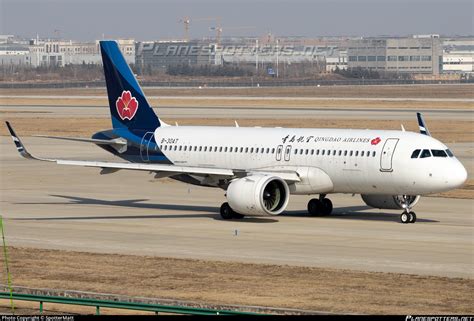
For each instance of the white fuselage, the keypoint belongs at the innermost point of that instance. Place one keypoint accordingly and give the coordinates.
(327, 160)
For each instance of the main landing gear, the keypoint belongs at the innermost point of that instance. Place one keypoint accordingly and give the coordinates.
(227, 213)
(321, 206)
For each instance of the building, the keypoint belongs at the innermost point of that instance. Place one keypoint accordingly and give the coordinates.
(63, 52)
(458, 56)
(162, 54)
(416, 55)
(14, 54)
(338, 60)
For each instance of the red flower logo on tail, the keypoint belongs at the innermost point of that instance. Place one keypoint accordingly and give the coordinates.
(375, 141)
(127, 105)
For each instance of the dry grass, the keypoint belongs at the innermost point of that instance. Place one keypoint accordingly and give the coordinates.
(238, 283)
(449, 131)
(409, 91)
(252, 103)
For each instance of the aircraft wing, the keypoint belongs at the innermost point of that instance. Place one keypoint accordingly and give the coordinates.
(168, 170)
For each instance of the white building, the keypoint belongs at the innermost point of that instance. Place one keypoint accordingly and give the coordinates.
(458, 55)
(336, 61)
(61, 52)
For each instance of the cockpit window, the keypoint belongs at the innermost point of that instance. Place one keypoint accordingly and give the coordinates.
(438, 153)
(425, 153)
(415, 153)
(450, 154)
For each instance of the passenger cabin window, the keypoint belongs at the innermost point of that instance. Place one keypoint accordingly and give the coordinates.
(425, 153)
(373, 154)
(450, 154)
(438, 153)
(416, 153)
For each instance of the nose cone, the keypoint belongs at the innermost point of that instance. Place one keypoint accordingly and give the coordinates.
(457, 176)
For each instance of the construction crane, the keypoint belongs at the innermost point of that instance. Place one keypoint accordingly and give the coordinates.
(219, 30)
(186, 21)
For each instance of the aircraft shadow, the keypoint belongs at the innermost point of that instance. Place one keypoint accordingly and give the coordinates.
(212, 212)
(346, 213)
(357, 213)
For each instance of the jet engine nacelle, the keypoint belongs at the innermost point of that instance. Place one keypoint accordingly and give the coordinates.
(258, 195)
(390, 202)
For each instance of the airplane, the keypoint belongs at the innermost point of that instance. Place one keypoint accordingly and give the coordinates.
(259, 168)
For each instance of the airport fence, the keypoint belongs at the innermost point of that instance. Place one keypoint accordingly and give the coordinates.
(237, 83)
(98, 304)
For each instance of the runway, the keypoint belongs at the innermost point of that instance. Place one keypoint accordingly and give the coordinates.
(61, 207)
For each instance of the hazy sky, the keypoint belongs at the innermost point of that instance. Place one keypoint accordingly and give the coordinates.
(148, 20)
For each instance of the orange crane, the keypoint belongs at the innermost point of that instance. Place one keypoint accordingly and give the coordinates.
(186, 21)
(219, 29)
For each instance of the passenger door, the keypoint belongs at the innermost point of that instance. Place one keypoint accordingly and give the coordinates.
(279, 151)
(287, 152)
(387, 154)
(144, 145)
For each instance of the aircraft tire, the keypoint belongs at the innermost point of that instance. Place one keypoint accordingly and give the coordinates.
(405, 218)
(315, 207)
(326, 206)
(226, 211)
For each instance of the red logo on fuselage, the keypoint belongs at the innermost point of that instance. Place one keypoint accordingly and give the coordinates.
(375, 141)
(127, 105)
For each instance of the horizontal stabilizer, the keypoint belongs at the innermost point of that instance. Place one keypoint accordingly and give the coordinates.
(119, 144)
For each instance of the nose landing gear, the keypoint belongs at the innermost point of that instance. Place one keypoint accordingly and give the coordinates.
(408, 217)
(320, 207)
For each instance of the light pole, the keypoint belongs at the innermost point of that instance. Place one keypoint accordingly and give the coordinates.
(278, 53)
(256, 56)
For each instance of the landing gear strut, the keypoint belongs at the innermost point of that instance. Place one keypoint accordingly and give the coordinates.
(320, 207)
(228, 213)
(407, 216)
